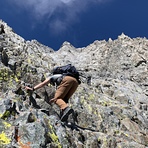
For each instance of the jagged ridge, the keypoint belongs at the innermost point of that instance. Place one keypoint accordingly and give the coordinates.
(112, 109)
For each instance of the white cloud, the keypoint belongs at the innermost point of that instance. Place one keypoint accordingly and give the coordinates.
(59, 13)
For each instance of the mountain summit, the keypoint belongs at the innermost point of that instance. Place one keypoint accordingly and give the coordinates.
(111, 110)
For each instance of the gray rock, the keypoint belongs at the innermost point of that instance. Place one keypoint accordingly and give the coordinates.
(111, 104)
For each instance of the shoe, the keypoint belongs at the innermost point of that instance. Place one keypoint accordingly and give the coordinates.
(65, 113)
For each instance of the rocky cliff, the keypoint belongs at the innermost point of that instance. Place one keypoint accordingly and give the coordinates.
(111, 104)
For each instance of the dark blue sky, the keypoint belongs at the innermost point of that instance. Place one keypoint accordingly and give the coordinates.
(80, 22)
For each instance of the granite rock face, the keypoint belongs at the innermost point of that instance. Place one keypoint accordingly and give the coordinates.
(111, 103)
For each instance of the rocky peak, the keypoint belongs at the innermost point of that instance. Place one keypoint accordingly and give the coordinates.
(111, 109)
(67, 44)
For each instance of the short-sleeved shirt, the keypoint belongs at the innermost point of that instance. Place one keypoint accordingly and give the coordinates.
(55, 79)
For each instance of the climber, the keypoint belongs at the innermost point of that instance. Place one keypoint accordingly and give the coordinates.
(67, 85)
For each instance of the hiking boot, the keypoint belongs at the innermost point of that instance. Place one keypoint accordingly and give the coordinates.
(65, 113)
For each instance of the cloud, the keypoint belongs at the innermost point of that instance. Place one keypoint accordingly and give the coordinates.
(59, 13)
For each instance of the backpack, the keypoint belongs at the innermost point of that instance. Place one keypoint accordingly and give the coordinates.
(67, 70)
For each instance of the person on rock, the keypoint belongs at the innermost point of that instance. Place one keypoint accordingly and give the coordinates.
(66, 86)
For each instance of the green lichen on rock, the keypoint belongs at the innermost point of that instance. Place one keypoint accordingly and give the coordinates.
(51, 133)
(110, 107)
(53, 136)
(4, 140)
(6, 124)
(5, 115)
(4, 74)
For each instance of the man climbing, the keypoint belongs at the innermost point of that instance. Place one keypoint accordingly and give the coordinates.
(67, 82)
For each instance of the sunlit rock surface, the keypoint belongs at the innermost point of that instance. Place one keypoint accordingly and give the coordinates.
(111, 104)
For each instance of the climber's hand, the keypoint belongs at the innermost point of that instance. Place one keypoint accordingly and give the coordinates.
(28, 88)
(53, 100)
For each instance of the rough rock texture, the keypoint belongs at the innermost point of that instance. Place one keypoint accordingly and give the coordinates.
(111, 103)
